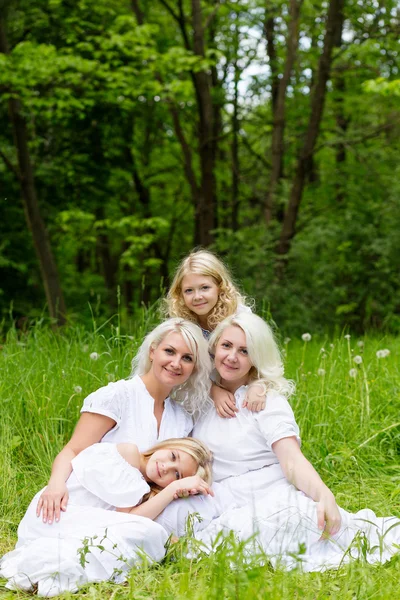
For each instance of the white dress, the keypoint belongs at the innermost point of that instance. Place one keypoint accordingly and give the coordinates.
(91, 542)
(130, 405)
(264, 506)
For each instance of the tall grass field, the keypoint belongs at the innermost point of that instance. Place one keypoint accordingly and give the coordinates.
(347, 404)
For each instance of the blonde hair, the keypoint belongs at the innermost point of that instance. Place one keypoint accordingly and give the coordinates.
(193, 394)
(195, 448)
(204, 262)
(267, 367)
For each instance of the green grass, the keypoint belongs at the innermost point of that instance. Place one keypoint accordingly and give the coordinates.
(350, 429)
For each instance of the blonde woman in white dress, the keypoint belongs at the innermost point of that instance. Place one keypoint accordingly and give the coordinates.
(265, 485)
(169, 384)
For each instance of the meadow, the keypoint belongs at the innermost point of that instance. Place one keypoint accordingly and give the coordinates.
(347, 404)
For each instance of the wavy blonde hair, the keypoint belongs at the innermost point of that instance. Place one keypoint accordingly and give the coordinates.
(267, 366)
(193, 394)
(204, 262)
(195, 448)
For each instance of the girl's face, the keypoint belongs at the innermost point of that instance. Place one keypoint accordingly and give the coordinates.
(172, 361)
(231, 357)
(200, 294)
(168, 465)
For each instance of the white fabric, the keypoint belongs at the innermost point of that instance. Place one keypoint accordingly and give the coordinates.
(283, 526)
(260, 505)
(49, 555)
(103, 472)
(244, 443)
(130, 405)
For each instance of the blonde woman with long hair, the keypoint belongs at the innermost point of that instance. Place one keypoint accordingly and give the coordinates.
(169, 384)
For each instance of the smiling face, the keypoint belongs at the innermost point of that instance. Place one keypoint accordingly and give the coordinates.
(200, 294)
(231, 358)
(169, 464)
(172, 362)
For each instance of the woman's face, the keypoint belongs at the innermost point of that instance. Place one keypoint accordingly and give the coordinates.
(231, 357)
(168, 465)
(172, 362)
(200, 294)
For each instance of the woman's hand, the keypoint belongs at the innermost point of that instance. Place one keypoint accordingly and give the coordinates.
(52, 501)
(328, 514)
(190, 486)
(224, 401)
(255, 398)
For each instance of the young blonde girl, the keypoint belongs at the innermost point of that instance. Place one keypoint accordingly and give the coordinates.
(173, 468)
(203, 292)
(106, 481)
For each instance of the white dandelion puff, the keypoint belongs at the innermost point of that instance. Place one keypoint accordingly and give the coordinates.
(360, 344)
(383, 353)
(306, 337)
(321, 372)
(77, 389)
(286, 340)
(94, 355)
(347, 336)
(353, 372)
(358, 360)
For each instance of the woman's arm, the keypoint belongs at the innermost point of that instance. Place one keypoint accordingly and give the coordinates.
(90, 428)
(300, 472)
(153, 507)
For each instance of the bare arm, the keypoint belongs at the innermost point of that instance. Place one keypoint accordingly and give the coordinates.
(224, 401)
(153, 507)
(300, 472)
(90, 428)
(255, 399)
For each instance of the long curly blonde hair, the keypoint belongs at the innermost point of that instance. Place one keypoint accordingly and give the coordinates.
(204, 262)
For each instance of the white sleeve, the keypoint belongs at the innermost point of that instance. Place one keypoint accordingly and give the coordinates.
(108, 401)
(102, 471)
(277, 420)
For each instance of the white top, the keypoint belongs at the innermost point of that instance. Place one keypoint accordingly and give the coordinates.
(130, 405)
(244, 443)
(102, 478)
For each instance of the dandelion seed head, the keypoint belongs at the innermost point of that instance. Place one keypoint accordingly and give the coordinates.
(347, 336)
(358, 360)
(383, 353)
(94, 355)
(321, 372)
(77, 389)
(353, 372)
(331, 345)
(306, 337)
(360, 344)
(286, 340)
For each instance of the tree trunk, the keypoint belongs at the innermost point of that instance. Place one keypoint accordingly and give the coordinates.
(334, 21)
(235, 138)
(206, 209)
(279, 107)
(47, 264)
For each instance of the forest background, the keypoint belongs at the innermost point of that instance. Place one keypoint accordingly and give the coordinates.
(132, 131)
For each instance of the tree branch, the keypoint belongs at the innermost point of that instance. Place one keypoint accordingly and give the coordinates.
(11, 167)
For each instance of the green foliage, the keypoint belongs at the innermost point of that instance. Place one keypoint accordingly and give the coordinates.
(101, 94)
